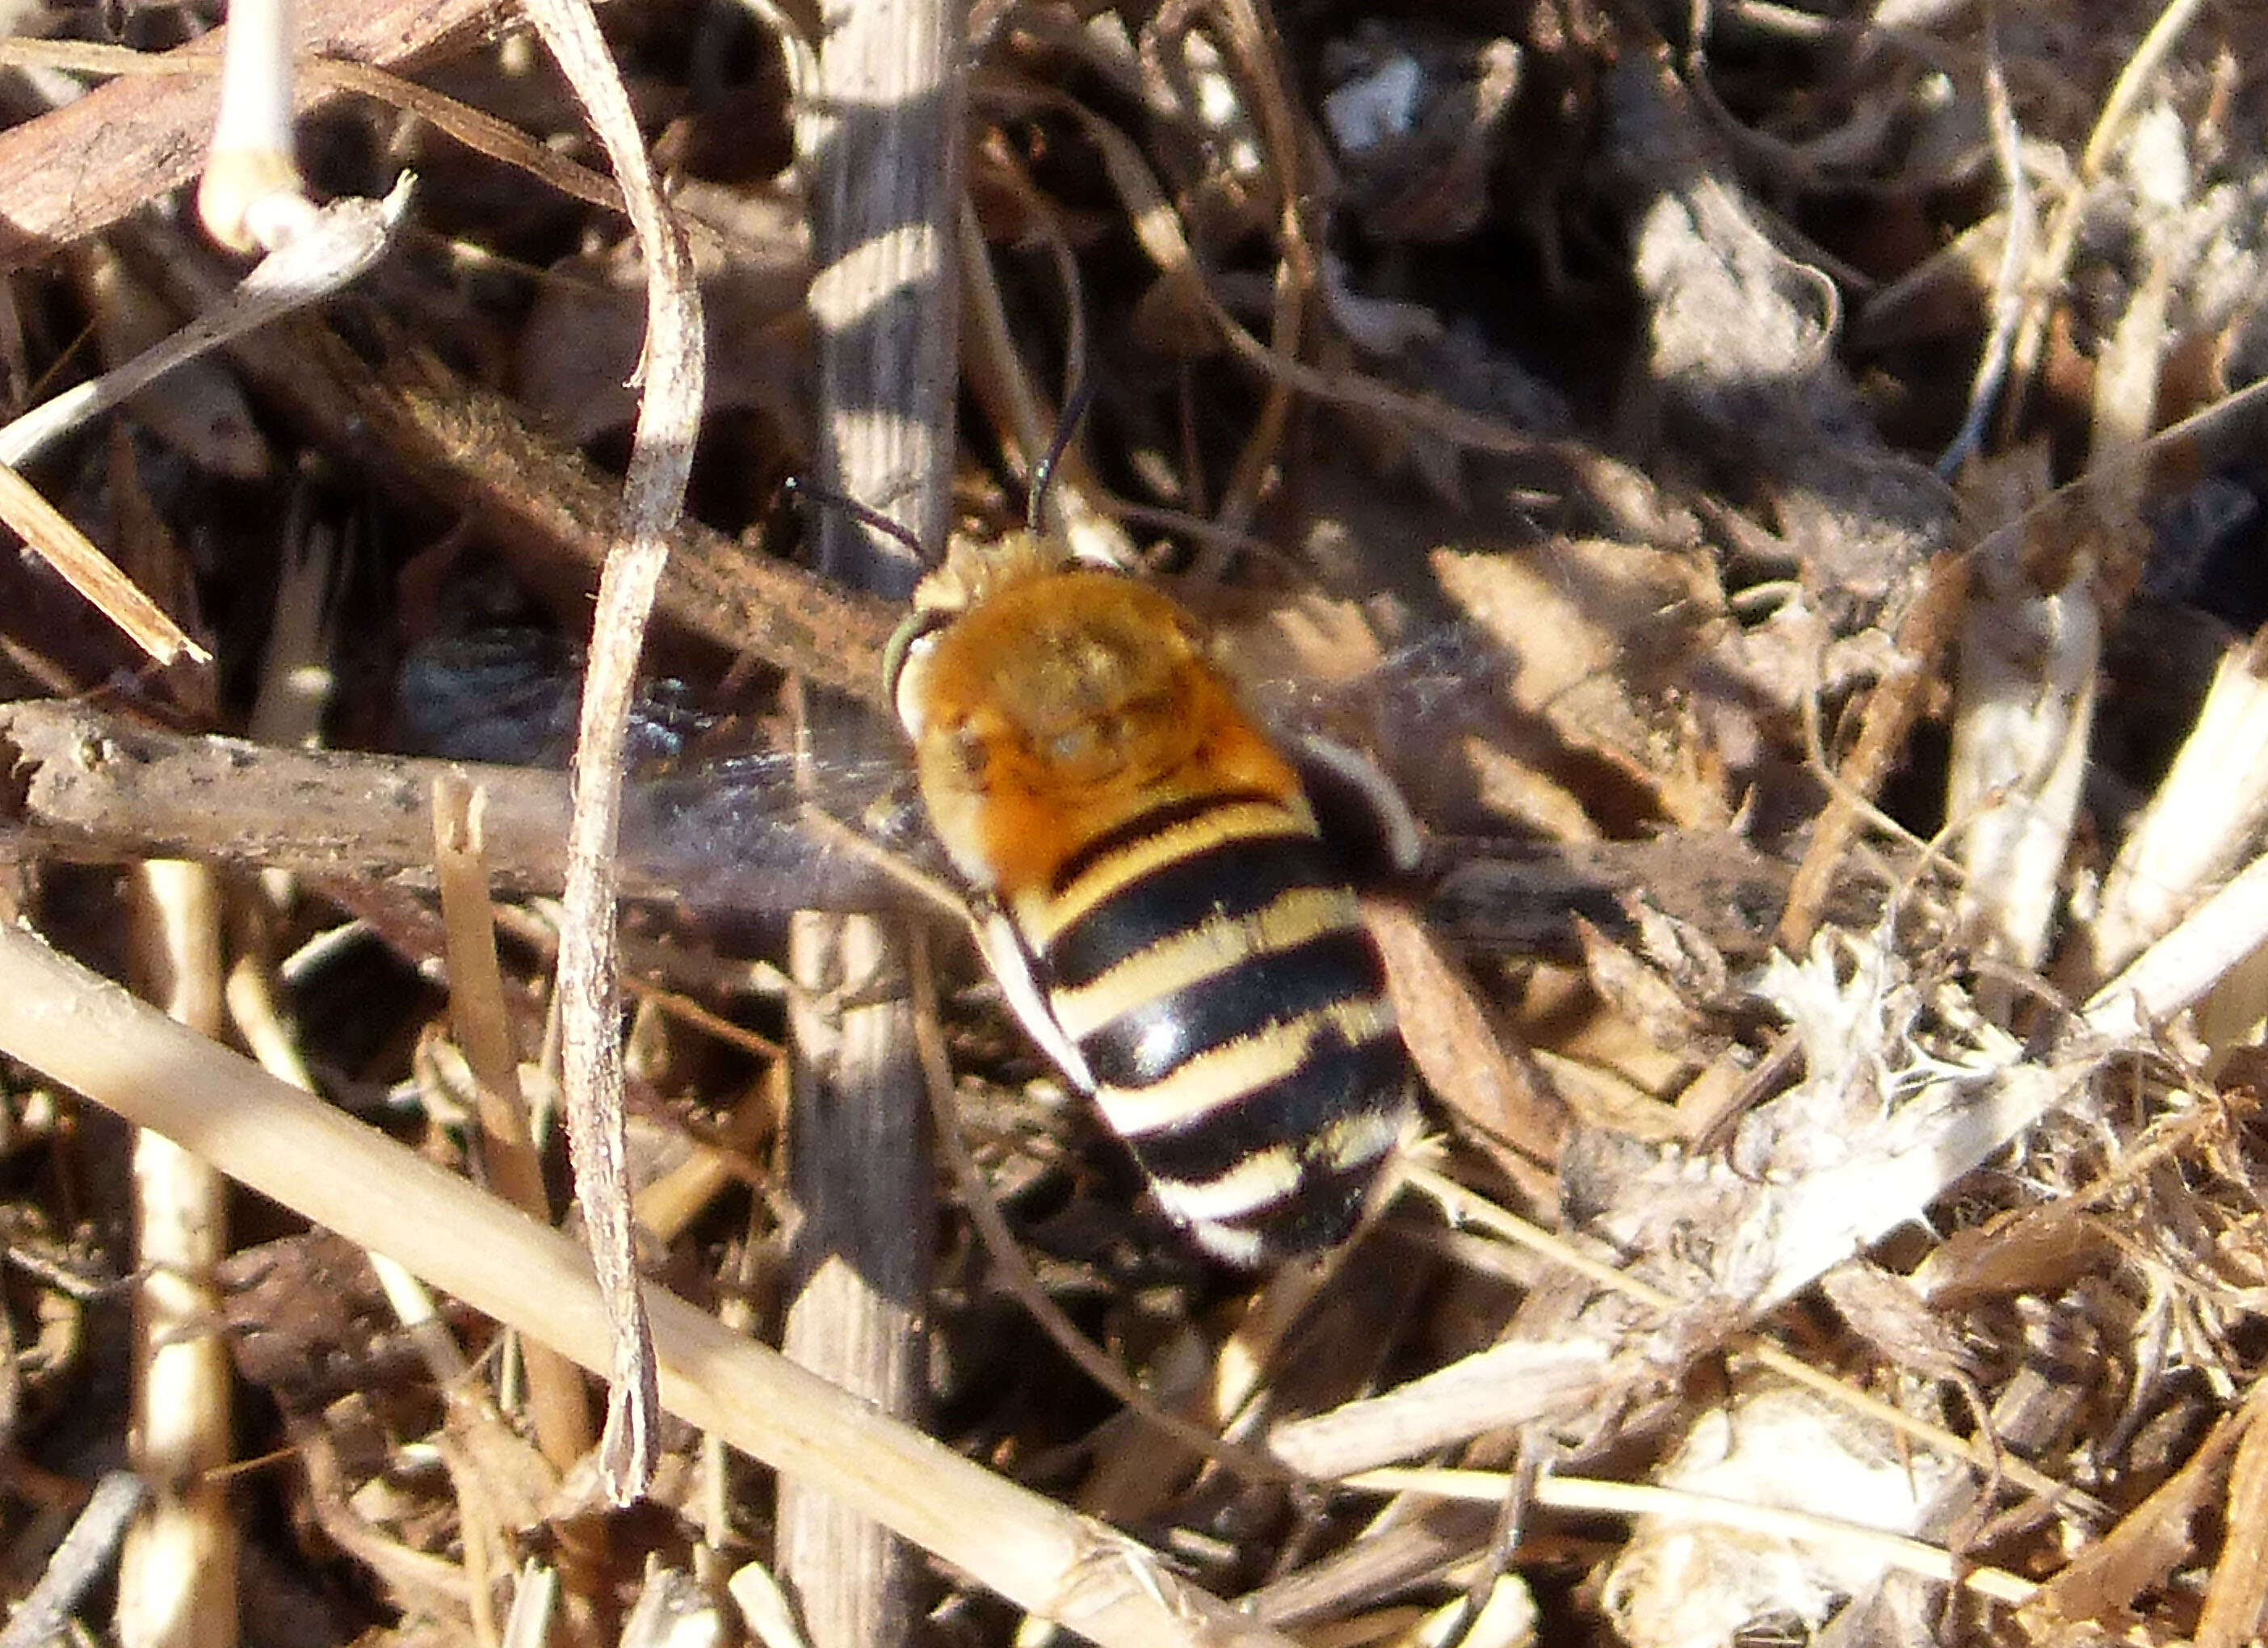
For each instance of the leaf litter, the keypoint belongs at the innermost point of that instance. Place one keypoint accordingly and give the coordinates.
(1735, 481)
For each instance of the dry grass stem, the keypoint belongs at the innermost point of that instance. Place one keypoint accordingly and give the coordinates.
(2236, 1605)
(337, 244)
(65, 548)
(661, 457)
(558, 1405)
(879, 145)
(78, 1562)
(81, 168)
(1777, 495)
(177, 1576)
(2029, 659)
(1631, 1499)
(2205, 817)
(252, 197)
(2111, 128)
(99, 1041)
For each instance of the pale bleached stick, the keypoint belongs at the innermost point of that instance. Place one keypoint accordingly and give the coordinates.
(92, 1037)
(2177, 970)
(661, 458)
(1579, 1494)
(341, 241)
(334, 246)
(879, 137)
(79, 168)
(177, 1575)
(2019, 218)
(2045, 279)
(46, 530)
(252, 197)
(2029, 660)
(79, 1561)
(557, 1406)
(2206, 814)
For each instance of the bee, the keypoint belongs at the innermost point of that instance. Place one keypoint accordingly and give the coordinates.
(1150, 888)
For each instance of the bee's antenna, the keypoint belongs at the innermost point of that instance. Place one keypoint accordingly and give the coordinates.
(1043, 472)
(800, 490)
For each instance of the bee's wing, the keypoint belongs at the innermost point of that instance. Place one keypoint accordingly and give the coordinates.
(1357, 741)
(744, 836)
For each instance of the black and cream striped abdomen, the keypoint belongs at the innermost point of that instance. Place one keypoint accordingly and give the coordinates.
(1210, 965)
(1149, 890)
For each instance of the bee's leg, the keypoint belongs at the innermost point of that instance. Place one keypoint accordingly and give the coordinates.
(1363, 818)
(1011, 962)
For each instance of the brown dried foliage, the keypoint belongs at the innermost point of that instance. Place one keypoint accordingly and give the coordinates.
(1548, 406)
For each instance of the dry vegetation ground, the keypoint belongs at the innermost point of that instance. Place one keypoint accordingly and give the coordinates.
(1776, 488)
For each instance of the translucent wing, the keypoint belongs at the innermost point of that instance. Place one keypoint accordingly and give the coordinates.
(744, 832)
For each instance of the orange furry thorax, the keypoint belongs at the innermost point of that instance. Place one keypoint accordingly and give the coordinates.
(1064, 704)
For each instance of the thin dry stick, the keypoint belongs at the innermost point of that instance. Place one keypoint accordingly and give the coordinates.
(472, 451)
(475, 450)
(2237, 1597)
(1075, 507)
(77, 170)
(1247, 32)
(477, 130)
(252, 1014)
(93, 1037)
(1639, 1499)
(557, 1402)
(1023, 420)
(94, 786)
(2045, 280)
(2178, 970)
(2021, 215)
(252, 197)
(2206, 815)
(93, 573)
(177, 1578)
(1892, 710)
(341, 241)
(78, 1562)
(661, 457)
(1468, 1209)
(879, 134)
(764, 1608)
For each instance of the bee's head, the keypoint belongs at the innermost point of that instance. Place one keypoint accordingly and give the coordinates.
(974, 571)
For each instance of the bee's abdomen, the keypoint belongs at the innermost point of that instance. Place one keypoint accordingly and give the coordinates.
(1211, 968)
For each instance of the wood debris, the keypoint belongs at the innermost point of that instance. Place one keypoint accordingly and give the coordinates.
(1778, 495)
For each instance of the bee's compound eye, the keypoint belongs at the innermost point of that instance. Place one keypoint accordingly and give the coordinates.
(968, 749)
(903, 676)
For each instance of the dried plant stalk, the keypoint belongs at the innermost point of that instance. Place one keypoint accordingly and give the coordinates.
(2029, 677)
(558, 1406)
(92, 1037)
(252, 196)
(41, 1617)
(90, 571)
(78, 169)
(340, 241)
(661, 458)
(884, 188)
(177, 1576)
(2205, 816)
